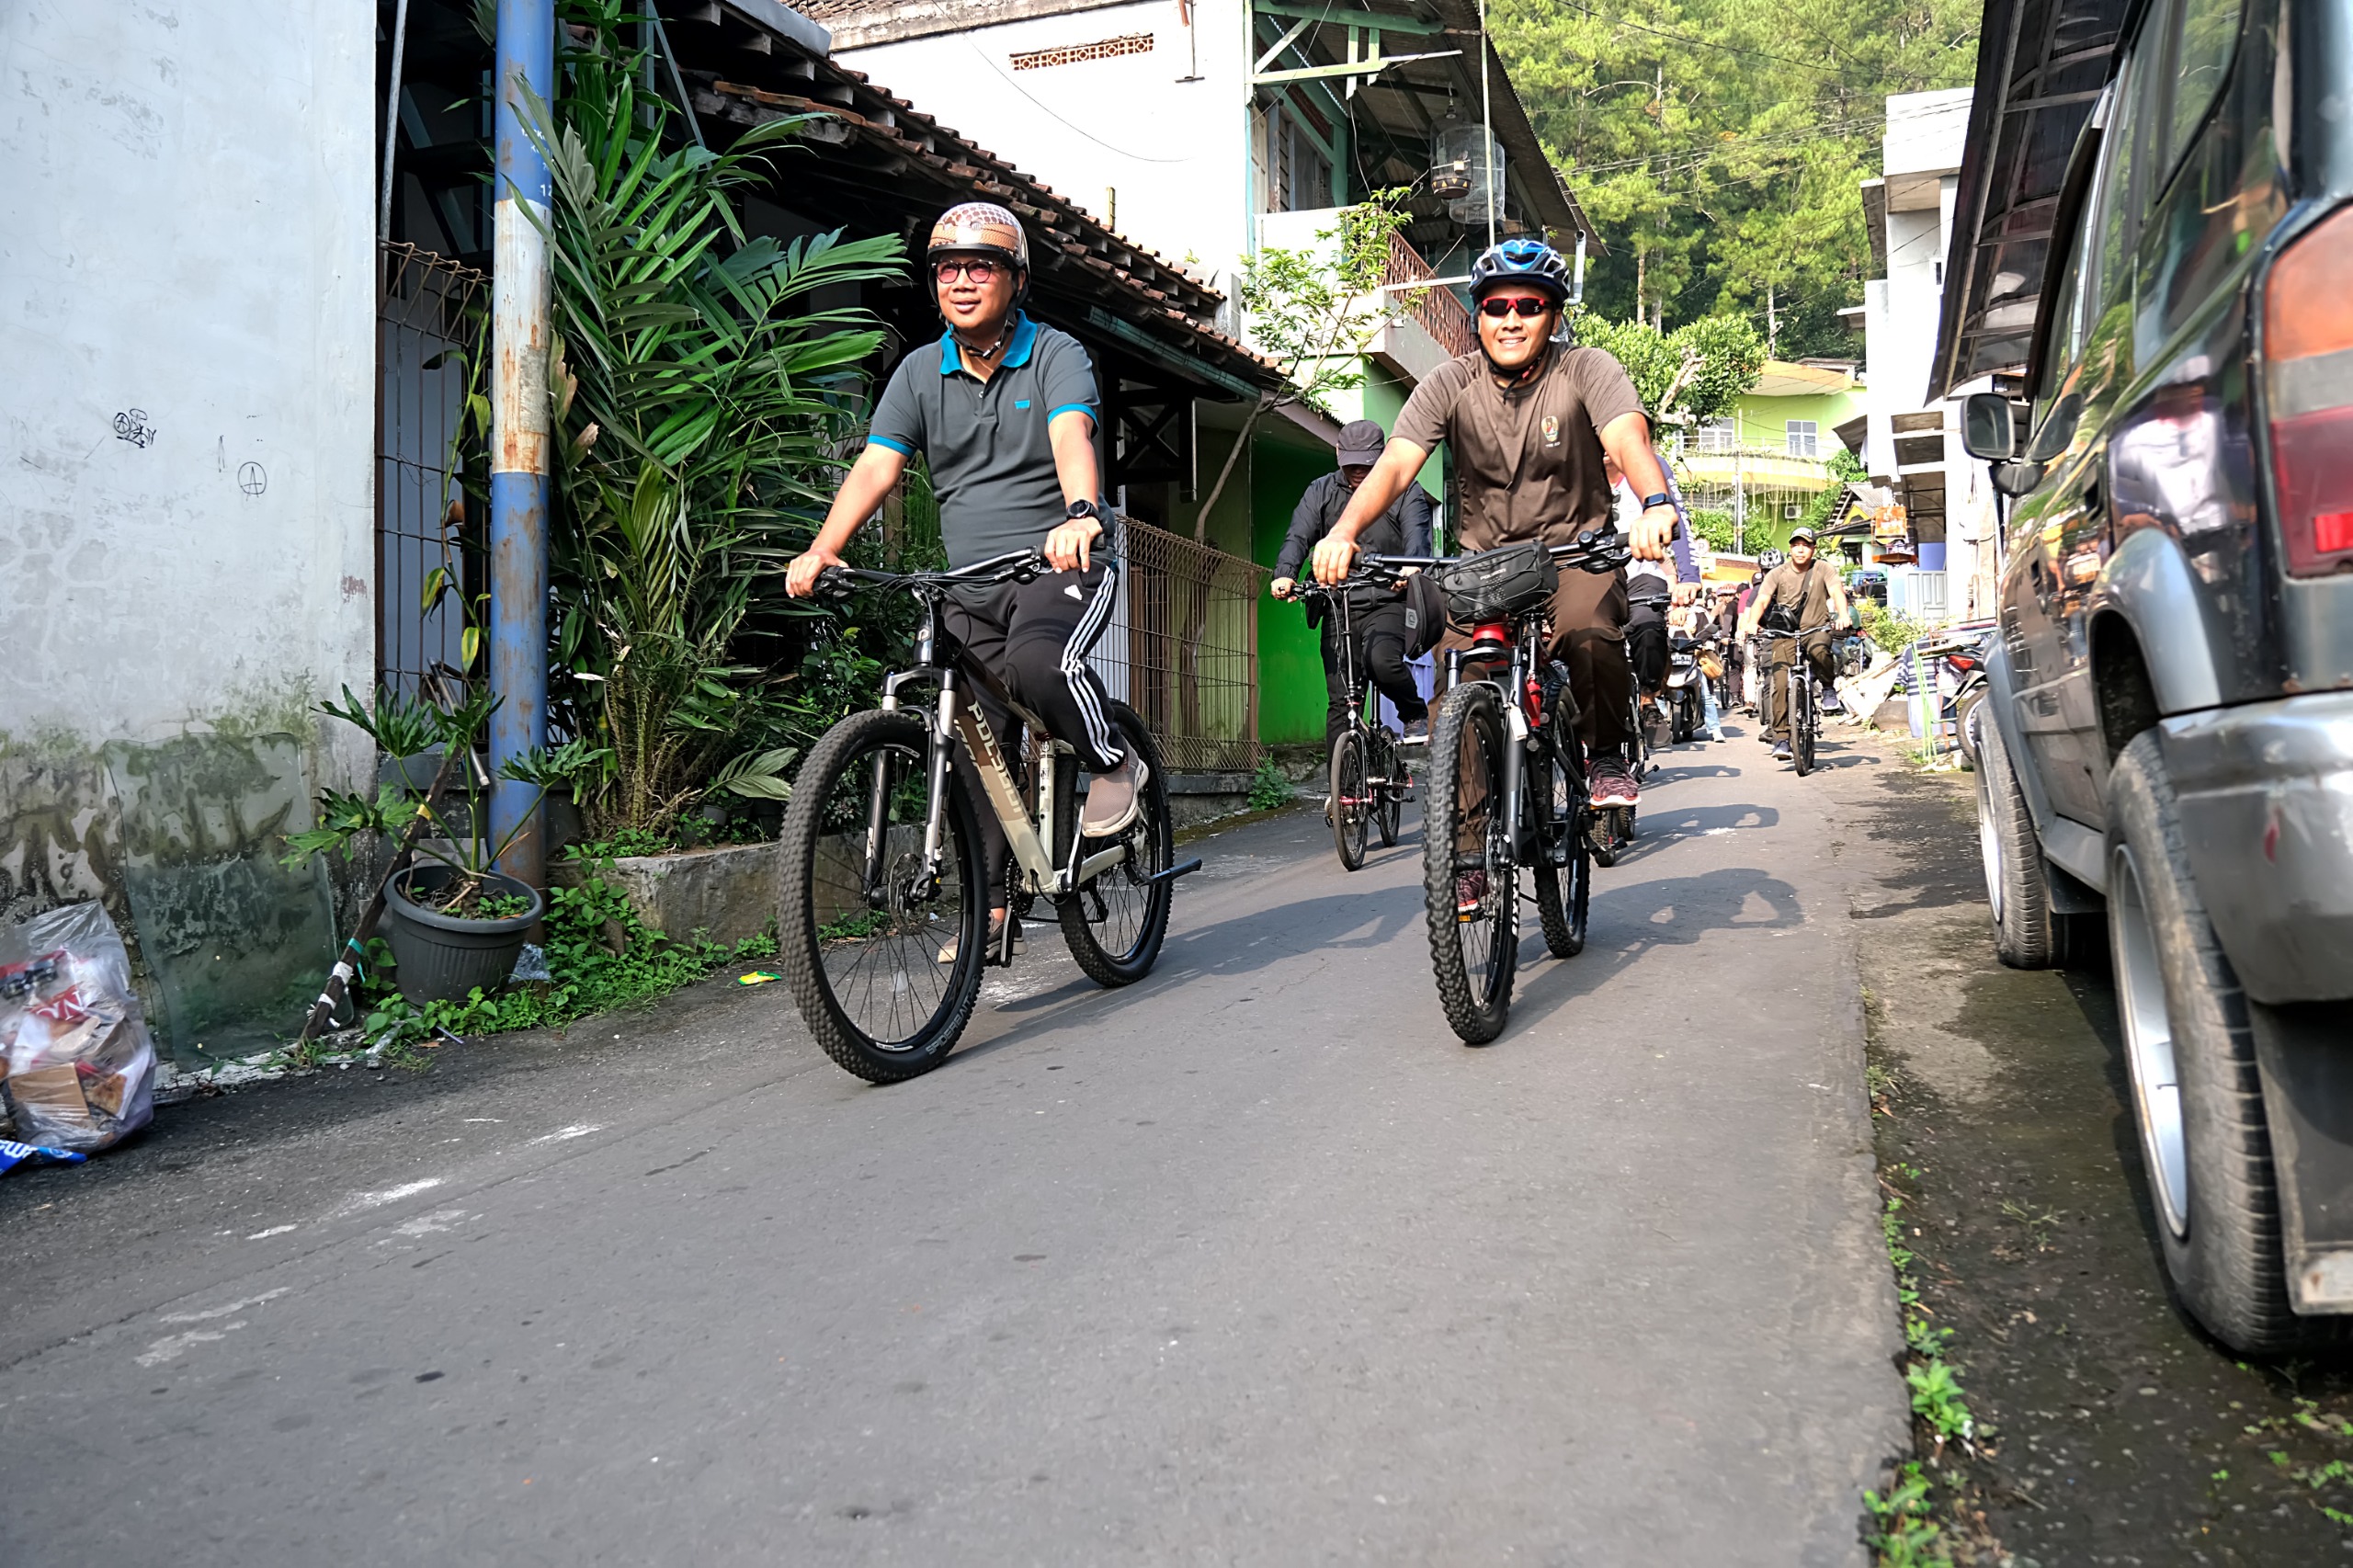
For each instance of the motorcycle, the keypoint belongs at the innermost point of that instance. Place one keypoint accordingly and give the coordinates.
(1688, 665)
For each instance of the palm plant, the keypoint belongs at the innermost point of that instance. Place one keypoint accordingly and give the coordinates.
(700, 403)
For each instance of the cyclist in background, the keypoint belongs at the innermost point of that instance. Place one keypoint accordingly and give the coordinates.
(1377, 615)
(1801, 595)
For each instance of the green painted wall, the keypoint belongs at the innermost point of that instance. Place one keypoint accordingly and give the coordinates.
(1291, 663)
(1764, 421)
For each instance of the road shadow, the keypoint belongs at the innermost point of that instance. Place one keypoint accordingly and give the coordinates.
(1631, 920)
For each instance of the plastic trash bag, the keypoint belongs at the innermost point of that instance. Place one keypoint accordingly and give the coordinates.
(77, 1065)
(14, 1154)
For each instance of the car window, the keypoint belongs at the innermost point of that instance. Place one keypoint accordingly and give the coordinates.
(2208, 36)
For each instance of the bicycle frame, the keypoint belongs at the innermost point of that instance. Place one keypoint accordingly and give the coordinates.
(942, 662)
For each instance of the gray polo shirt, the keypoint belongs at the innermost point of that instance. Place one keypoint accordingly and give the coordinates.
(992, 466)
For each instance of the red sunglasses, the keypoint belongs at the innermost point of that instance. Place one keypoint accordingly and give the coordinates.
(1519, 305)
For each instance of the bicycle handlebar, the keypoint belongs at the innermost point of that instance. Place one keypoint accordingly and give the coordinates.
(1595, 551)
(1014, 566)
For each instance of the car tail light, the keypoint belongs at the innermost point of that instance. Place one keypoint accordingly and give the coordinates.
(2308, 352)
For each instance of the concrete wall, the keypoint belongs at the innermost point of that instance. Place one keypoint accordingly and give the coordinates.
(186, 548)
(1176, 151)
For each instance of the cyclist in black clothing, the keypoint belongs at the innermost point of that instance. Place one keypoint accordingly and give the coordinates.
(1377, 614)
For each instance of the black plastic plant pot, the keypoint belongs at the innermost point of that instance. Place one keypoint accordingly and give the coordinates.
(444, 957)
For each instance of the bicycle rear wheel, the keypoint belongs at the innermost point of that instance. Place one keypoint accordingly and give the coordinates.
(1114, 924)
(1388, 797)
(1469, 884)
(1801, 719)
(1563, 891)
(1351, 797)
(885, 968)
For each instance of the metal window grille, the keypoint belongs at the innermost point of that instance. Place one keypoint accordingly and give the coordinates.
(424, 317)
(1183, 648)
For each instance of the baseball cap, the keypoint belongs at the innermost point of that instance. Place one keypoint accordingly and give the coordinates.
(1361, 443)
(1800, 532)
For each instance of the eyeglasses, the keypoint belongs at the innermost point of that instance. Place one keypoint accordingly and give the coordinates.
(1519, 305)
(980, 269)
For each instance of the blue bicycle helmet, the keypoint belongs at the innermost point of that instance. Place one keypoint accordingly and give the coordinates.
(1531, 262)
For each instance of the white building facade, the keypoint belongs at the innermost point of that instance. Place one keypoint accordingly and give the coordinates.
(1911, 445)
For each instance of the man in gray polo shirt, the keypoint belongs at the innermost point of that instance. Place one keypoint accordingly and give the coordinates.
(1003, 410)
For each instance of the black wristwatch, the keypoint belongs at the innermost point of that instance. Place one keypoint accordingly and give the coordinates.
(1649, 501)
(1078, 509)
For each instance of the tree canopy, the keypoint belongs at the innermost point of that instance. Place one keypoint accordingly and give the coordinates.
(1720, 145)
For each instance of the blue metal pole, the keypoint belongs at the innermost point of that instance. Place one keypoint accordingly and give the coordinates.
(519, 418)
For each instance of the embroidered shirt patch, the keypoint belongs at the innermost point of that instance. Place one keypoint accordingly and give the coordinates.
(1551, 429)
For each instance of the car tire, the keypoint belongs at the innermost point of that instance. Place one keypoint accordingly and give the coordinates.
(2189, 1055)
(2026, 933)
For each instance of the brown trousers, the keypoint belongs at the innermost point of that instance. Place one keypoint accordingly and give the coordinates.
(1589, 634)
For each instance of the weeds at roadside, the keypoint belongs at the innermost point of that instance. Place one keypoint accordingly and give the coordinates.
(1269, 788)
(600, 954)
(1907, 1532)
(2039, 1226)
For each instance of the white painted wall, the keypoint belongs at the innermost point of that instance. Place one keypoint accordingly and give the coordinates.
(186, 260)
(1178, 151)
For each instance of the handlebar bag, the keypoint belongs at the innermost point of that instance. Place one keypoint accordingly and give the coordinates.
(1496, 585)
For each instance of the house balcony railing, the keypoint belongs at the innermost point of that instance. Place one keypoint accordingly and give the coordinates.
(1437, 310)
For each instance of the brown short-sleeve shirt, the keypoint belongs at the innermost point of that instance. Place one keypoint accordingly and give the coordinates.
(1808, 591)
(1529, 458)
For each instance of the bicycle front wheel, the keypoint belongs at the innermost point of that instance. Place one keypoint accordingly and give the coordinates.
(1470, 883)
(1351, 798)
(884, 963)
(1114, 924)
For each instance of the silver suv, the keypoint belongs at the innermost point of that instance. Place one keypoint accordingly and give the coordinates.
(2168, 740)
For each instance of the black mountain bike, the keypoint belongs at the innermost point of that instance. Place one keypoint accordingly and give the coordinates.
(884, 919)
(1369, 780)
(1505, 788)
(1804, 707)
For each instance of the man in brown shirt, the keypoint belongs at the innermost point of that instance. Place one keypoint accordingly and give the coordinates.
(1527, 421)
(1801, 595)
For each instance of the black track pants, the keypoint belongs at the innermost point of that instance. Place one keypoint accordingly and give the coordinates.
(1379, 635)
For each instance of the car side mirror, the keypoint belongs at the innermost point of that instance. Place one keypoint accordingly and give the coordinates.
(2015, 479)
(1988, 427)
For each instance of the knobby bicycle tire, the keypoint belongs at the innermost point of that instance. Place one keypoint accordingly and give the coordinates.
(833, 948)
(1089, 920)
(1475, 977)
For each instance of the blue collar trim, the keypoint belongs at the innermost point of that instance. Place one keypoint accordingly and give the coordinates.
(1017, 353)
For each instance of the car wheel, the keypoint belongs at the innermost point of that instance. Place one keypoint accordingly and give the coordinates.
(2027, 934)
(2190, 1056)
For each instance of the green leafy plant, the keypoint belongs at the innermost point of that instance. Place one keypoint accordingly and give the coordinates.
(1907, 1536)
(1891, 629)
(405, 730)
(1695, 373)
(701, 398)
(1313, 310)
(1269, 788)
(600, 951)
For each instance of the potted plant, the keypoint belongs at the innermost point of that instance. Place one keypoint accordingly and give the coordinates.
(454, 921)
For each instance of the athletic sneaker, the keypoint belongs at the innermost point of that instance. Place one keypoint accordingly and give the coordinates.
(1114, 799)
(1613, 783)
(1780, 751)
(1417, 732)
(1470, 893)
(997, 939)
(1830, 700)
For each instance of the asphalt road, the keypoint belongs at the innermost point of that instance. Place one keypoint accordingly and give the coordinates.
(1251, 1263)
